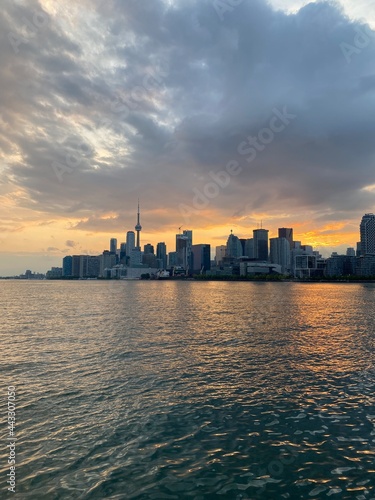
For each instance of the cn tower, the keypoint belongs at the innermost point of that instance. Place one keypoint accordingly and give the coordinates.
(138, 228)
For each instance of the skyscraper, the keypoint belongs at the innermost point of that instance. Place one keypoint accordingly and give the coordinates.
(161, 254)
(130, 242)
(201, 257)
(113, 245)
(138, 228)
(280, 253)
(234, 247)
(260, 244)
(184, 243)
(367, 230)
(287, 232)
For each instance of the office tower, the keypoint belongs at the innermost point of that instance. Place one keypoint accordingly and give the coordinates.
(173, 259)
(184, 243)
(113, 245)
(280, 253)
(243, 244)
(367, 231)
(220, 254)
(149, 259)
(286, 232)
(75, 265)
(161, 254)
(93, 266)
(107, 261)
(260, 244)
(201, 258)
(130, 242)
(135, 257)
(234, 247)
(249, 248)
(122, 252)
(138, 228)
(350, 252)
(358, 249)
(148, 248)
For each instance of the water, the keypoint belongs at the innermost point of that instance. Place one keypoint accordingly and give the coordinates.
(200, 390)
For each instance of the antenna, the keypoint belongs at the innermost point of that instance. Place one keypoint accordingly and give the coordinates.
(179, 229)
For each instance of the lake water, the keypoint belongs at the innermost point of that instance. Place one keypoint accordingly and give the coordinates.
(196, 390)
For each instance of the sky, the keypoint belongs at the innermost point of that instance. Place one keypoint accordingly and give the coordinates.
(217, 115)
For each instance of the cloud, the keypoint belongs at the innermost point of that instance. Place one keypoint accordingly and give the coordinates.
(71, 243)
(110, 101)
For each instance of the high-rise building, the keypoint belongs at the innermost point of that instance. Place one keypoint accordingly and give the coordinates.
(220, 253)
(184, 243)
(173, 259)
(350, 252)
(249, 248)
(130, 242)
(138, 228)
(260, 237)
(148, 248)
(135, 257)
(234, 247)
(122, 253)
(367, 231)
(201, 258)
(280, 253)
(161, 254)
(287, 232)
(67, 265)
(113, 245)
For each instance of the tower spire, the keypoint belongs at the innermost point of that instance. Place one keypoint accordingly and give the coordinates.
(138, 228)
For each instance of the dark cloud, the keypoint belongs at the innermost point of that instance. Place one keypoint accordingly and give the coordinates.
(114, 100)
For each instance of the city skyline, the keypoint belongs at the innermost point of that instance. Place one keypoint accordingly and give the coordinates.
(215, 118)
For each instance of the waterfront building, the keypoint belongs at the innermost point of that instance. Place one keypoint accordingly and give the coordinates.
(172, 259)
(67, 265)
(184, 242)
(130, 243)
(286, 232)
(340, 265)
(113, 245)
(93, 266)
(122, 256)
(161, 254)
(234, 247)
(260, 237)
(365, 265)
(106, 261)
(220, 253)
(249, 248)
(148, 248)
(280, 253)
(367, 232)
(201, 258)
(135, 257)
(258, 267)
(54, 272)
